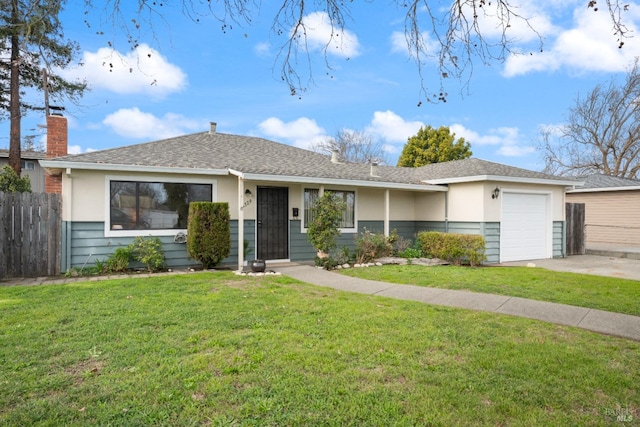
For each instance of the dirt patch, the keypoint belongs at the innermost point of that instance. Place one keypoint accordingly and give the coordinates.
(85, 368)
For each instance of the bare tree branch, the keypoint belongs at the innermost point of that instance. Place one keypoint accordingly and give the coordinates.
(458, 28)
(602, 134)
(353, 147)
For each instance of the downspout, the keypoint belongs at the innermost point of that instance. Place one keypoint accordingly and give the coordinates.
(386, 212)
(67, 212)
(446, 210)
(240, 218)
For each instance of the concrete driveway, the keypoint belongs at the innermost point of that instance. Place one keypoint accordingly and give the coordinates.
(598, 265)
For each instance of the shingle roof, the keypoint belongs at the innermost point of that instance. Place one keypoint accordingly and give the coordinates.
(477, 167)
(25, 154)
(597, 180)
(252, 155)
(242, 153)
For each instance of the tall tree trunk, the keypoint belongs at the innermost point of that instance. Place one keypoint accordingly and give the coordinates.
(14, 89)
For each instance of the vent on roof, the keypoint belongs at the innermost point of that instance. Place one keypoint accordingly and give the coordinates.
(374, 169)
(334, 156)
(213, 127)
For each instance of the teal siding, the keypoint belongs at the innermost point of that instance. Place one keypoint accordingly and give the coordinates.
(430, 226)
(405, 229)
(559, 239)
(299, 247)
(491, 233)
(84, 243)
(466, 227)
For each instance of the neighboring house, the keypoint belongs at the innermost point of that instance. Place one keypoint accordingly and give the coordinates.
(113, 195)
(612, 209)
(30, 167)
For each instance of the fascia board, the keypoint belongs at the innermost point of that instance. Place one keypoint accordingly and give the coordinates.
(519, 180)
(344, 182)
(60, 165)
(601, 189)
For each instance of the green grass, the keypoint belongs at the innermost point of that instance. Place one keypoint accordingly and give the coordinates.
(603, 293)
(222, 350)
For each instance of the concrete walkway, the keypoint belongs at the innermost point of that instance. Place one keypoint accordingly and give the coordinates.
(622, 325)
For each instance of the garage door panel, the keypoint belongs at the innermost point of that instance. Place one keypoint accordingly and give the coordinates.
(524, 227)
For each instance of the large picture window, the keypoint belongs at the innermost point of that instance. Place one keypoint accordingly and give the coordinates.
(136, 205)
(348, 197)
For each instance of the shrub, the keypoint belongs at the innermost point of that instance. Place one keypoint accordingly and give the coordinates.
(327, 262)
(10, 182)
(323, 229)
(149, 252)
(411, 253)
(209, 232)
(370, 246)
(119, 260)
(456, 248)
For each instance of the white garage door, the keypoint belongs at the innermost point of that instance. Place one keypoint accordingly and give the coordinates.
(524, 228)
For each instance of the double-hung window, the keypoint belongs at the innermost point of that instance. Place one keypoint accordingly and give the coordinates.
(141, 205)
(311, 195)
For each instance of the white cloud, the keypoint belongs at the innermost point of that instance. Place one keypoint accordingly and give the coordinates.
(142, 71)
(302, 132)
(133, 123)
(538, 23)
(320, 35)
(262, 49)
(507, 139)
(392, 128)
(429, 45)
(588, 46)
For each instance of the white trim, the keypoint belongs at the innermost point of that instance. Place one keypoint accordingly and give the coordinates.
(519, 180)
(59, 165)
(321, 189)
(603, 189)
(144, 232)
(344, 182)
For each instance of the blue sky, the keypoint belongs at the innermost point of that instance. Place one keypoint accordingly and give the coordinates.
(185, 75)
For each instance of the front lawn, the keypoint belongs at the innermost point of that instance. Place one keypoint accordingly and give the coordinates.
(222, 350)
(603, 293)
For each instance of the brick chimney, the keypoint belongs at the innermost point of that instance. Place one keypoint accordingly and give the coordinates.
(56, 147)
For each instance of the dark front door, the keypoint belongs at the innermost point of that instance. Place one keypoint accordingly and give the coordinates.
(273, 223)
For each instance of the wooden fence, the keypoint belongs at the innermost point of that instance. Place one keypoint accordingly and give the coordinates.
(30, 234)
(576, 239)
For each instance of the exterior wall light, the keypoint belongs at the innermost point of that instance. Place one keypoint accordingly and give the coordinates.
(496, 193)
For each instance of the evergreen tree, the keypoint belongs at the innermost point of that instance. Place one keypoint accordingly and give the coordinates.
(33, 47)
(431, 145)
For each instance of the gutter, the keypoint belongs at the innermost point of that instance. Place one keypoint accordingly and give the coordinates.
(334, 181)
(513, 179)
(601, 189)
(57, 166)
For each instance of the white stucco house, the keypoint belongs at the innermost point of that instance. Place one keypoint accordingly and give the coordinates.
(111, 196)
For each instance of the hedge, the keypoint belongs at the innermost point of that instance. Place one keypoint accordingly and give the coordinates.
(452, 247)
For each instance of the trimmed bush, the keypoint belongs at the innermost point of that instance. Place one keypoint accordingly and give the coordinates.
(456, 248)
(209, 233)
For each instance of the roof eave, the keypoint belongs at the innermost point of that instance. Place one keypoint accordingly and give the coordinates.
(601, 189)
(344, 182)
(502, 178)
(60, 165)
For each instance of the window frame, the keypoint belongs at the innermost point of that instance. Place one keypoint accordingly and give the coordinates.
(321, 189)
(27, 165)
(108, 232)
